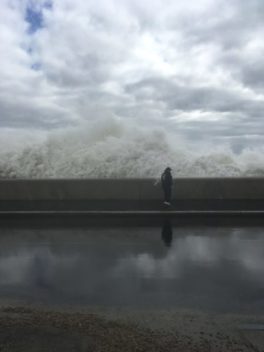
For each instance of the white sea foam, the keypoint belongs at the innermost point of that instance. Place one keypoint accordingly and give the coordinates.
(112, 149)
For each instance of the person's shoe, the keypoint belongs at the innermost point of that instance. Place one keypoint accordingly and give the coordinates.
(167, 203)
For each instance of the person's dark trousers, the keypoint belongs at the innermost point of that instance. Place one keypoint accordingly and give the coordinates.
(167, 194)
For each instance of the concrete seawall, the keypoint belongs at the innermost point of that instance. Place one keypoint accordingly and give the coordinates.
(188, 193)
(132, 189)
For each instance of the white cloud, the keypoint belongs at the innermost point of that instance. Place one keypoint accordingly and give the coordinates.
(111, 56)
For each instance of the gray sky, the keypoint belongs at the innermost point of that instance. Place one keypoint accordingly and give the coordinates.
(194, 67)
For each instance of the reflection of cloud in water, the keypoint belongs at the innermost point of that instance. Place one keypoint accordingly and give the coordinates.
(82, 268)
(198, 250)
(21, 267)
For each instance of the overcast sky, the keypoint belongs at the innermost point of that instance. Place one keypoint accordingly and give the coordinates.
(193, 66)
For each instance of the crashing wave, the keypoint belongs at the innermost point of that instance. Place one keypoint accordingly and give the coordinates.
(113, 150)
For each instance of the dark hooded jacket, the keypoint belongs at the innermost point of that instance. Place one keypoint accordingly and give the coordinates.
(166, 178)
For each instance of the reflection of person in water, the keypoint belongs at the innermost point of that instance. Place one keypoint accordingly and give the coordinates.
(166, 233)
(39, 270)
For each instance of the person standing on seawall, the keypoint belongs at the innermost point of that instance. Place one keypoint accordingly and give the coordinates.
(166, 182)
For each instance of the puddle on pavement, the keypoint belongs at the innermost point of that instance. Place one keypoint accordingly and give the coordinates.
(214, 269)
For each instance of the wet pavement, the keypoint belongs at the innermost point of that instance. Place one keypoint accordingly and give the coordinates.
(210, 269)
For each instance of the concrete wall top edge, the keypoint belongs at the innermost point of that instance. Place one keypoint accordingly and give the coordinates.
(126, 179)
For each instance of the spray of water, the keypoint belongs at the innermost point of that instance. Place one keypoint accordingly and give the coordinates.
(110, 149)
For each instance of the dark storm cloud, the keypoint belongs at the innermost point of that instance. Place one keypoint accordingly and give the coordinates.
(190, 98)
(30, 115)
(253, 76)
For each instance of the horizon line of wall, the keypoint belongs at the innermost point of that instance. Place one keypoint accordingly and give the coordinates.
(132, 189)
